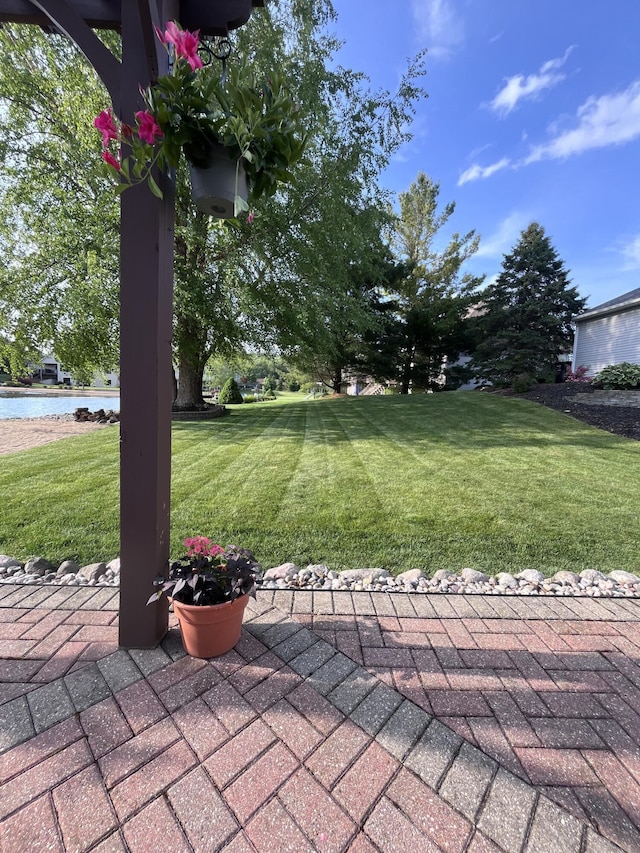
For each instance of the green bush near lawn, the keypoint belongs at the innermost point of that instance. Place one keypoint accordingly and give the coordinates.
(432, 481)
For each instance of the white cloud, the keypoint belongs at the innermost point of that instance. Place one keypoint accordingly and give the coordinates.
(631, 254)
(439, 25)
(604, 121)
(505, 237)
(476, 172)
(518, 87)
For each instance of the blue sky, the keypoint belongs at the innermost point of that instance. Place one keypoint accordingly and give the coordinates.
(533, 114)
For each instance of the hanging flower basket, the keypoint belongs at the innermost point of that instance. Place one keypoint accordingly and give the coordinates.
(219, 188)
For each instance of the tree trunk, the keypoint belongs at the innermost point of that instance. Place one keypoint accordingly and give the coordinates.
(407, 370)
(174, 385)
(336, 381)
(189, 397)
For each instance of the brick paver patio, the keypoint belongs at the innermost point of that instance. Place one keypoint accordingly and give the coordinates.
(341, 722)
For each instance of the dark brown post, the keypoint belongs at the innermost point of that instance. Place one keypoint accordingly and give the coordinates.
(146, 277)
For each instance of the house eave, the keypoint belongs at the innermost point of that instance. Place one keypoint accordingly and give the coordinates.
(611, 309)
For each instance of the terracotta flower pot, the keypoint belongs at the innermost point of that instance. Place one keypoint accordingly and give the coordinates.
(211, 630)
(214, 186)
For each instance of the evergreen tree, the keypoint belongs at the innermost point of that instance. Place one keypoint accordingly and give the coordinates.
(230, 393)
(526, 323)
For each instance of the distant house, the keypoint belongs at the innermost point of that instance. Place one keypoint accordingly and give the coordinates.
(50, 372)
(608, 334)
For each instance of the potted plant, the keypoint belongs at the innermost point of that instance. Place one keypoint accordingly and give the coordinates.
(251, 129)
(209, 588)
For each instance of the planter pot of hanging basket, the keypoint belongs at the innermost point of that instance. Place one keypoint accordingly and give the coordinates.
(216, 181)
(208, 632)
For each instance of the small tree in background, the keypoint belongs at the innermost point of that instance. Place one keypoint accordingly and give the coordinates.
(526, 322)
(230, 392)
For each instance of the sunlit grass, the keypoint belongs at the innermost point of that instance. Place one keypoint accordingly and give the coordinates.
(439, 481)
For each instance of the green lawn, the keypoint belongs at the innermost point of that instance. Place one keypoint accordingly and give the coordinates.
(438, 481)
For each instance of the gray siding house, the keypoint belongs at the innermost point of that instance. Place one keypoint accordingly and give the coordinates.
(608, 333)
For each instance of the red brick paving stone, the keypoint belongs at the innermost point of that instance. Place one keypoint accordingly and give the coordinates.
(228, 705)
(625, 748)
(292, 728)
(620, 784)
(548, 632)
(14, 630)
(248, 676)
(581, 681)
(591, 643)
(384, 674)
(319, 711)
(515, 725)
(393, 623)
(239, 753)
(200, 728)
(625, 645)
(260, 782)
(105, 726)
(97, 651)
(84, 810)
(387, 657)
(17, 648)
(112, 844)
(458, 703)
(60, 663)
(30, 784)
(565, 733)
(90, 617)
(97, 633)
(460, 726)
(408, 683)
(348, 642)
(449, 830)
(205, 819)
(317, 813)
(272, 822)
(537, 677)
(140, 705)
(580, 705)
(429, 669)
(151, 779)
(265, 694)
(39, 748)
(504, 642)
(459, 634)
(565, 797)
(129, 757)
(556, 766)
(364, 782)
(406, 639)
(609, 819)
(362, 845)
(190, 688)
(473, 679)
(32, 829)
(155, 829)
(175, 672)
(446, 652)
(249, 647)
(422, 625)
(392, 832)
(481, 844)
(18, 670)
(239, 844)
(491, 740)
(337, 753)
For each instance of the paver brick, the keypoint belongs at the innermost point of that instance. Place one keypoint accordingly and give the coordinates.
(314, 810)
(155, 828)
(490, 739)
(376, 708)
(392, 831)
(140, 706)
(319, 711)
(403, 729)
(200, 728)
(260, 782)
(209, 825)
(433, 754)
(134, 753)
(84, 810)
(350, 692)
(553, 830)
(337, 753)
(507, 811)
(269, 691)
(273, 822)
(105, 726)
(312, 658)
(50, 704)
(365, 781)
(292, 728)
(566, 733)
(239, 752)
(468, 780)
(556, 766)
(16, 724)
(431, 814)
(34, 827)
(119, 670)
(86, 687)
(45, 775)
(39, 748)
(154, 776)
(611, 820)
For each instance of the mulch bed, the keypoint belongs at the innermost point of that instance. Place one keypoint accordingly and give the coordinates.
(620, 420)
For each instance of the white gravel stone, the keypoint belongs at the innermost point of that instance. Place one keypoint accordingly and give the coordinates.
(623, 577)
(473, 576)
(531, 576)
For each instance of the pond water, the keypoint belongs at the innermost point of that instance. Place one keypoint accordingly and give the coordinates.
(18, 403)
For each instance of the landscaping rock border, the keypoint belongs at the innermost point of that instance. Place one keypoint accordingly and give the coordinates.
(589, 582)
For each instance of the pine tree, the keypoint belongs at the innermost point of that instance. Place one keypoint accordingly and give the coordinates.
(527, 312)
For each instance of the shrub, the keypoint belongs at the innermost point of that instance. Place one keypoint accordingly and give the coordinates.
(618, 376)
(269, 385)
(294, 385)
(249, 398)
(579, 375)
(522, 383)
(230, 393)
